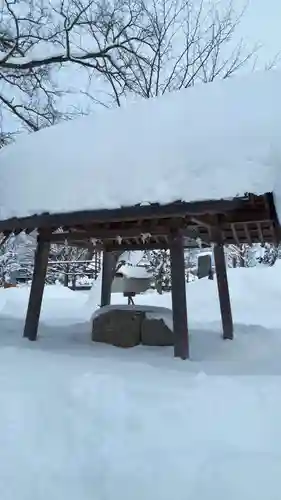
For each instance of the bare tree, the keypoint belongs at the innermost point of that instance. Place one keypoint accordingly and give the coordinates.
(186, 42)
(136, 47)
(39, 38)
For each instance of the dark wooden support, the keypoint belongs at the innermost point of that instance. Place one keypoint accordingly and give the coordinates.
(223, 290)
(108, 262)
(181, 346)
(37, 289)
(151, 211)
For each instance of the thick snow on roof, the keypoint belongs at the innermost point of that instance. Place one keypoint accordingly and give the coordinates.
(212, 141)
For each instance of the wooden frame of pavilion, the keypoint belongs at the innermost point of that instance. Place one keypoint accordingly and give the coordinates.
(246, 219)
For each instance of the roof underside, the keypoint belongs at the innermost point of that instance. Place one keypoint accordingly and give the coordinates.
(242, 220)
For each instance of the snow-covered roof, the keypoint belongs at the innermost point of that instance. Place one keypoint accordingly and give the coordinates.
(138, 272)
(212, 141)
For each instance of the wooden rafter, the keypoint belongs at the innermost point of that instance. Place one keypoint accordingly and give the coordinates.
(248, 235)
(260, 233)
(235, 236)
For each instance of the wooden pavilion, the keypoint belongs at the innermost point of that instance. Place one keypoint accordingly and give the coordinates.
(248, 219)
(112, 181)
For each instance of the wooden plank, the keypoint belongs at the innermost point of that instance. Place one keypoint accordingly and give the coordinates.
(223, 290)
(152, 211)
(181, 347)
(107, 270)
(37, 289)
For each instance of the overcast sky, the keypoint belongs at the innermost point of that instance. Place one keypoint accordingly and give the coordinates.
(261, 23)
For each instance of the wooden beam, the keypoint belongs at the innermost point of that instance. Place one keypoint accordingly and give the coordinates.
(37, 289)
(4, 239)
(202, 222)
(79, 244)
(244, 215)
(181, 346)
(133, 245)
(103, 234)
(276, 233)
(260, 232)
(241, 215)
(248, 234)
(223, 290)
(233, 228)
(107, 274)
(133, 232)
(152, 211)
(270, 206)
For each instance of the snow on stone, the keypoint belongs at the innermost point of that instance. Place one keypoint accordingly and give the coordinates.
(212, 141)
(132, 257)
(138, 272)
(151, 311)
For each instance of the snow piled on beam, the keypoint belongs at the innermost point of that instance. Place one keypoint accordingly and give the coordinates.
(213, 141)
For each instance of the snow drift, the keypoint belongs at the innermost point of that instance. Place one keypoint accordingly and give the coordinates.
(77, 419)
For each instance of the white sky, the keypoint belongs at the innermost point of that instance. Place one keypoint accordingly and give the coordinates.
(261, 23)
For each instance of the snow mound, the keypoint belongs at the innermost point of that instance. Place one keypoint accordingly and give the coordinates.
(213, 141)
(254, 292)
(77, 419)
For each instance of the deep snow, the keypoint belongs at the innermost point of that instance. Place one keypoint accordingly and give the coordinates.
(87, 421)
(213, 141)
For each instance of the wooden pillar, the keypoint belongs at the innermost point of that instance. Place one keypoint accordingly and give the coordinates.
(66, 276)
(107, 269)
(181, 346)
(223, 290)
(37, 289)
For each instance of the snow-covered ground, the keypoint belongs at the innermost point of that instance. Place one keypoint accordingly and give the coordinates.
(87, 421)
